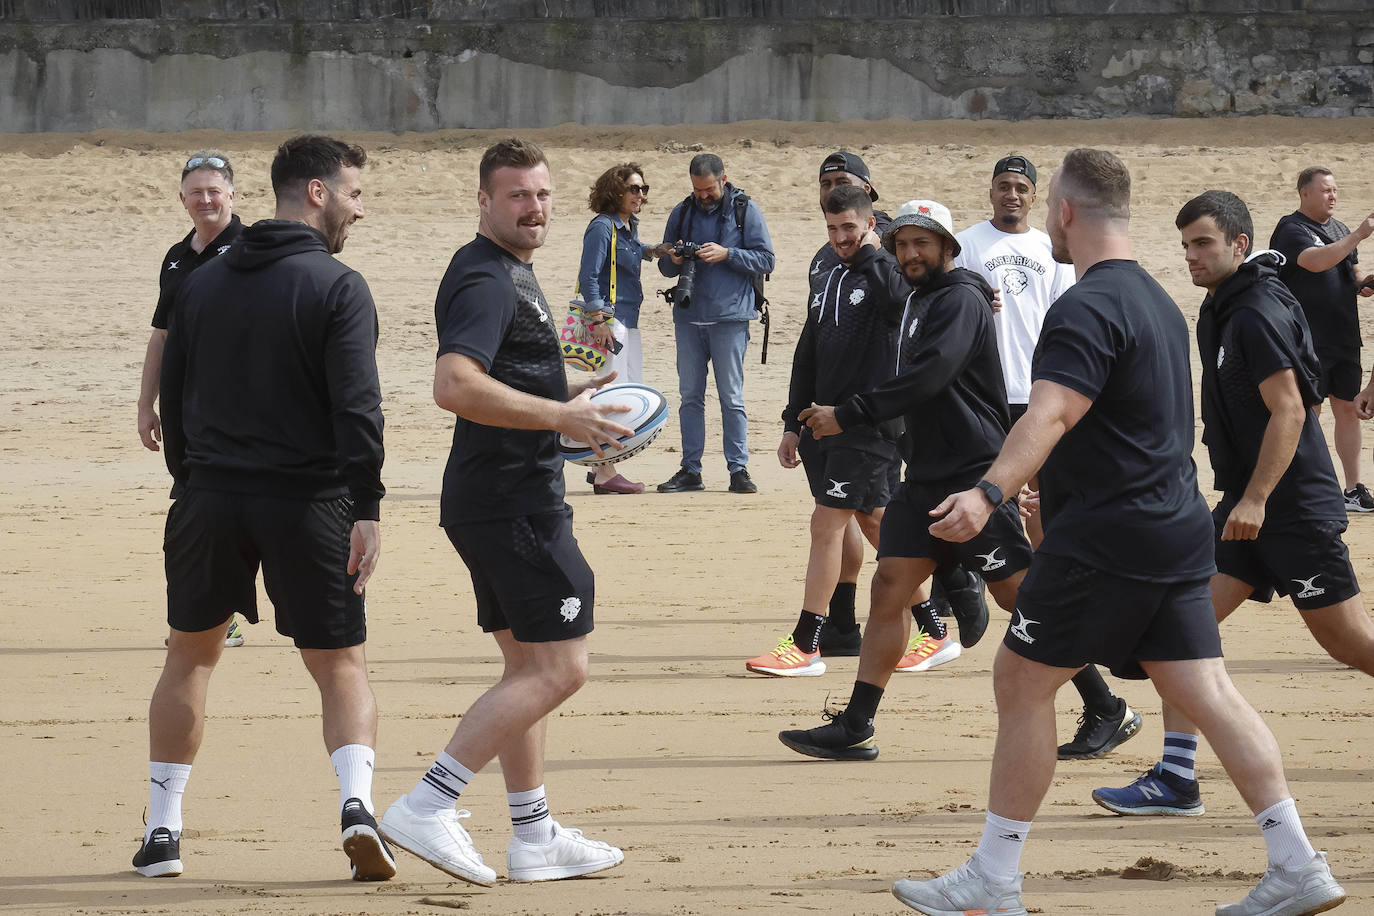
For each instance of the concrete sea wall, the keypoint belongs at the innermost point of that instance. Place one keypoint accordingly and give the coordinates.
(163, 65)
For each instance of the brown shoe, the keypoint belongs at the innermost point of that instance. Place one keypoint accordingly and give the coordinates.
(618, 484)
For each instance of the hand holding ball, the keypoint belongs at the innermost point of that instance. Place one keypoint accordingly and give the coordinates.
(645, 417)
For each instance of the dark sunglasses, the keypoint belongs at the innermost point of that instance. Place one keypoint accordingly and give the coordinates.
(213, 162)
(640, 189)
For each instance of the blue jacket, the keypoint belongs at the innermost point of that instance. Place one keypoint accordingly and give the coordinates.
(724, 291)
(594, 275)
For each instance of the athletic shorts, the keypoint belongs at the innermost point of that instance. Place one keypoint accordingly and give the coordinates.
(1069, 615)
(1341, 375)
(847, 478)
(215, 542)
(1307, 561)
(1017, 412)
(998, 551)
(528, 576)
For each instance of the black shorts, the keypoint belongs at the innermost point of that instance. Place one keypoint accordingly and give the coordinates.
(215, 542)
(528, 576)
(847, 478)
(1017, 412)
(1341, 375)
(1069, 615)
(1306, 561)
(998, 551)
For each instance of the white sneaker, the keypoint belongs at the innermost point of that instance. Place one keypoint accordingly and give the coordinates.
(569, 855)
(961, 891)
(1301, 891)
(440, 840)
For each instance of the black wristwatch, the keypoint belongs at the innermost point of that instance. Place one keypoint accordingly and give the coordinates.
(992, 491)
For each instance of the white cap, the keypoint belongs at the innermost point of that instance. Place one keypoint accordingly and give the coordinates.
(924, 214)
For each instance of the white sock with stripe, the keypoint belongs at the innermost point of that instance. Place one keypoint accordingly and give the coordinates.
(529, 816)
(440, 787)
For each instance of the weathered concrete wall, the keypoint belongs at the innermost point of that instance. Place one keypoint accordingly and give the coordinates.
(77, 65)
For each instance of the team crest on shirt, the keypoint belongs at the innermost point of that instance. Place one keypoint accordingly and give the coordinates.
(856, 297)
(1221, 356)
(1015, 281)
(571, 608)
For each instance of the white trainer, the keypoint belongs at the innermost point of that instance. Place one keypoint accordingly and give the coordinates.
(440, 840)
(1301, 891)
(569, 855)
(961, 891)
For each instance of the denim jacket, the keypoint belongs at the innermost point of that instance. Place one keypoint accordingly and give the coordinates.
(594, 275)
(724, 291)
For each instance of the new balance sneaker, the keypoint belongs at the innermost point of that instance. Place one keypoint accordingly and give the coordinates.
(1357, 499)
(962, 590)
(787, 661)
(1099, 734)
(962, 891)
(1156, 792)
(569, 855)
(832, 741)
(840, 642)
(233, 637)
(1300, 891)
(368, 853)
(925, 652)
(439, 840)
(159, 856)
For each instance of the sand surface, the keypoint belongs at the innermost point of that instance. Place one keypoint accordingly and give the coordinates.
(669, 751)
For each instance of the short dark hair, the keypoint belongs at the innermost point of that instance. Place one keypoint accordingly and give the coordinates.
(704, 164)
(609, 190)
(1309, 175)
(849, 197)
(1097, 182)
(1226, 209)
(204, 160)
(512, 152)
(311, 156)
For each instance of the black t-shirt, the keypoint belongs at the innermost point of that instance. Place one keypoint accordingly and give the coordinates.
(1327, 298)
(1119, 492)
(181, 259)
(490, 308)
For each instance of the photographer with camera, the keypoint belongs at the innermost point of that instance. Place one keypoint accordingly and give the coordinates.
(722, 252)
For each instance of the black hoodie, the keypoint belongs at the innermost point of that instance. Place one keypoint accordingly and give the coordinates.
(269, 377)
(1249, 329)
(949, 386)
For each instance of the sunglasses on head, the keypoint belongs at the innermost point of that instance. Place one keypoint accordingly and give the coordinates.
(640, 189)
(214, 162)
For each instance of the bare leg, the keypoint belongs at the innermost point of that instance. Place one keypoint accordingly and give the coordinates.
(1345, 631)
(1346, 428)
(348, 704)
(522, 759)
(889, 622)
(824, 564)
(852, 559)
(1228, 593)
(1024, 758)
(176, 715)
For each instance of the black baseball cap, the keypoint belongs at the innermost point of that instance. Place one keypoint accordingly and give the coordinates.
(845, 161)
(1018, 164)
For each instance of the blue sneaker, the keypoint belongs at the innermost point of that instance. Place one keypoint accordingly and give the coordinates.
(1156, 792)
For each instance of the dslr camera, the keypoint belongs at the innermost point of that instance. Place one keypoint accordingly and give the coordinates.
(681, 295)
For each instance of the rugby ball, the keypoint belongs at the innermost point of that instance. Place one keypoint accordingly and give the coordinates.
(647, 416)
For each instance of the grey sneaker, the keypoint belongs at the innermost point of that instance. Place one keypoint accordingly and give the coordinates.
(569, 855)
(961, 891)
(1301, 891)
(439, 840)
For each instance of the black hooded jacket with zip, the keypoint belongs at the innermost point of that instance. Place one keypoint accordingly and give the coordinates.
(269, 375)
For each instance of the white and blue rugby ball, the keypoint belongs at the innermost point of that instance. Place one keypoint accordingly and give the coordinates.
(647, 416)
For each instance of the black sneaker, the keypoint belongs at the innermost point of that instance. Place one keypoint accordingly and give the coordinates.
(740, 482)
(363, 844)
(159, 856)
(832, 741)
(1099, 734)
(1357, 499)
(840, 642)
(681, 482)
(962, 590)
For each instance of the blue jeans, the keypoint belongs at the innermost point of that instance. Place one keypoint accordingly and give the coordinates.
(723, 345)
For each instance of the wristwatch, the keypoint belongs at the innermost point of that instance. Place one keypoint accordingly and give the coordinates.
(992, 491)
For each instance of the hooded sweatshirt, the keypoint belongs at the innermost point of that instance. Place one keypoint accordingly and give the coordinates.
(948, 385)
(269, 376)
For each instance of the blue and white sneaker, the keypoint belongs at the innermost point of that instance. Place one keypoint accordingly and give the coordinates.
(1156, 792)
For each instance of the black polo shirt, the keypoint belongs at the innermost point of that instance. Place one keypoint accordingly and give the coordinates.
(1327, 297)
(181, 259)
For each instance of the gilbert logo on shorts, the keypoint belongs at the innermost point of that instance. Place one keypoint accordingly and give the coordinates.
(992, 561)
(837, 488)
(1309, 590)
(570, 609)
(1019, 630)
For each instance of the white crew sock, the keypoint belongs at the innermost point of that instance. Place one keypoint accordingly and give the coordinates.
(529, 816)
(1283, 835)
(998, 855)
(167, 783)
(439, 789)
(1180, 755)
(353, 764)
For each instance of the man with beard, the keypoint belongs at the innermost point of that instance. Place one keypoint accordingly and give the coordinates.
(1280, 518)
(1015, 258)
(948, 378)
(1122, 576)
(272, 428)
(500, 370)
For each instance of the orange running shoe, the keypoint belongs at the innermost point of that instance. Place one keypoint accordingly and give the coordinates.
(787, 661)
(925, 652)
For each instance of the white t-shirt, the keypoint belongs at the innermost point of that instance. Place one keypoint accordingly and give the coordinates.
(1020, 265)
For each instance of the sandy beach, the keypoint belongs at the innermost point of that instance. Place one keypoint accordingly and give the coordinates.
(670, 750)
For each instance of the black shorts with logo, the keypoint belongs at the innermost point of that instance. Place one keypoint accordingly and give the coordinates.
(215, 542)
(528, 576)
(998, 551)
(1069, 615)
(1307, 561)
(1341, 374)
(847, 478)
